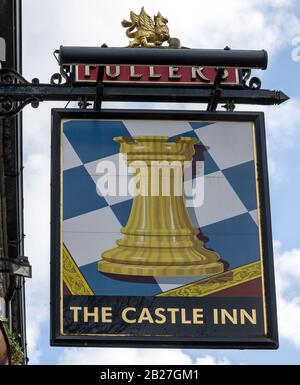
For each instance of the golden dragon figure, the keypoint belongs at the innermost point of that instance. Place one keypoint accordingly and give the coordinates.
(149, 33)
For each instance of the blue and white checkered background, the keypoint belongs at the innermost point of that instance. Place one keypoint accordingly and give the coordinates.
(91, 222)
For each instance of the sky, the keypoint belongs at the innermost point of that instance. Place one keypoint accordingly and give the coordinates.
(273, 25)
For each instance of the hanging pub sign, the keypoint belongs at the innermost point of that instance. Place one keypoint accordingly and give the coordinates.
(161, 230)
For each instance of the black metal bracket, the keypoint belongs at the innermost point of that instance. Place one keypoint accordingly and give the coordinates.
(99, 89)
(83, 103)
(229, 106)
(16, 92)
(217, 91)
(99, 85)
(249, 83)
(253, 83)
(8, 106)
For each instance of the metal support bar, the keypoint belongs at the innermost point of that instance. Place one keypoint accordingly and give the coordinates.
(27, 93)
(161, 56)
(16, 92)
(47, 92)
(195, 95)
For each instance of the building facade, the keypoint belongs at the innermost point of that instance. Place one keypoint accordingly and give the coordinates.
(12, 291)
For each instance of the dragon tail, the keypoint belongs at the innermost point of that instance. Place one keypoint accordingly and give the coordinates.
(130, 27)
(129, 32)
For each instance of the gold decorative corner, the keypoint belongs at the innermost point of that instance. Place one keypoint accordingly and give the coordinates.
(218, 282)
(72, 276)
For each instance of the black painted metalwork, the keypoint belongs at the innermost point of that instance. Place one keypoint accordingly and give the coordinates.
(253, 83)
(10, 105)
(217, 91)
(162, 56)
(16, 92)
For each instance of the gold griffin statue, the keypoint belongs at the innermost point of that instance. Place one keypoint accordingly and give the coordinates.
(149, 33)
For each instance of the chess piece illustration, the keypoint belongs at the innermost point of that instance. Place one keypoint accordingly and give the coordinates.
(159, 238)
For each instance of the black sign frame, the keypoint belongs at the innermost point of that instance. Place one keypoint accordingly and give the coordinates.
(269, 341)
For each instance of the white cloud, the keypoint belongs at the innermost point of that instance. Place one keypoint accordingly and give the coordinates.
(36, 194)
(275, 170)
(282, 130)
(210, 360)
(287, 268)
(92, 356)
(283, 125)
(37, 223)
(282, 133)
(289, 319)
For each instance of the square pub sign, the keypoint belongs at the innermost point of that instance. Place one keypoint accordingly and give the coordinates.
(161, 232)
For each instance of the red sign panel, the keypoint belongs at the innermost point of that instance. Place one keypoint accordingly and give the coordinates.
(155, 74)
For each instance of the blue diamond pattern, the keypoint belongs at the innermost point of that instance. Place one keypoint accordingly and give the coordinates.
(122, 211)
(241, 178)
(79, 193)
(93, 140)
(235, 239)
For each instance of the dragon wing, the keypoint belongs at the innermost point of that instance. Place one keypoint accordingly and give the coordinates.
(146, 22)
(134, 18)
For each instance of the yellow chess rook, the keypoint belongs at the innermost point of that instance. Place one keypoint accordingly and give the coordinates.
(159, 238)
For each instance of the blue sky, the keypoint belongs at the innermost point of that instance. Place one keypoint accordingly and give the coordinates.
(264, 24)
